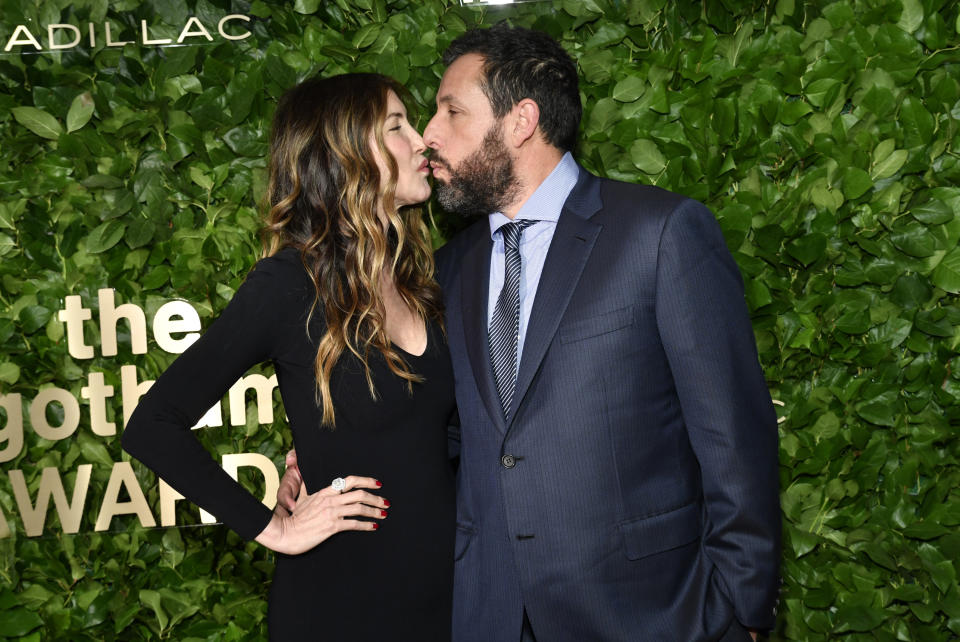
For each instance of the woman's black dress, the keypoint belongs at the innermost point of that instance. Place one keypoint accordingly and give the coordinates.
(391, 584)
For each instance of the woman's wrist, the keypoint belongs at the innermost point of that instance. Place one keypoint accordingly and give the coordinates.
(272, 535)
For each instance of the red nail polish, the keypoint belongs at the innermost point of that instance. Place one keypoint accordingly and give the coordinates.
(383, 513)
(376, 526)
(386, 503)
(379, 484)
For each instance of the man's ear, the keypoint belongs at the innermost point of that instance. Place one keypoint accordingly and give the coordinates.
(525, 118)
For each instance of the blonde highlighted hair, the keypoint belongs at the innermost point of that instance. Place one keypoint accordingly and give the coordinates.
(323, 196)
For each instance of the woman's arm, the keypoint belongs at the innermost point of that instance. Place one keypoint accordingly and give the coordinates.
(159, 432)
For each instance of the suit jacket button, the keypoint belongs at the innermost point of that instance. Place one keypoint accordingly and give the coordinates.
(508, 461)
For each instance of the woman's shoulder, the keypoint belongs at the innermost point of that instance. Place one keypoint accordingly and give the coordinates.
(285, 265)
(280, 279)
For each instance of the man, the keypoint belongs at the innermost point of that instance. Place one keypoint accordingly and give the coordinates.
(618, 457)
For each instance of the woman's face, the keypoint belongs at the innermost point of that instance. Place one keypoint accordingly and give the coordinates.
(406, 146)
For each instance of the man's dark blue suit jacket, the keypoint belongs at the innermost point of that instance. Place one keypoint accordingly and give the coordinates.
(631, 493)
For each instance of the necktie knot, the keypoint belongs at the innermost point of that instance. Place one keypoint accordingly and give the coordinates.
(512, 231)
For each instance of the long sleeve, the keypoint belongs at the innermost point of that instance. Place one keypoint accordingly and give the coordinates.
(709, 342)
(159, 434)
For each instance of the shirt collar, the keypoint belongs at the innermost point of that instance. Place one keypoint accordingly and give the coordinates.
(546, 202)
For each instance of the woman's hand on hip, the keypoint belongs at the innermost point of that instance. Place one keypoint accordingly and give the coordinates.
(318, 516)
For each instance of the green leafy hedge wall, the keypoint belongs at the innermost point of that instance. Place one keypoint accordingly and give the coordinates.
(823, 134)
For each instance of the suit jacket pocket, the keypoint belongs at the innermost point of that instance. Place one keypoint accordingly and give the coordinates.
(579, 329)
(657, 533)
(464, 536)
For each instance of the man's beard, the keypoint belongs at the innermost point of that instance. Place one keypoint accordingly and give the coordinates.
(484, 182)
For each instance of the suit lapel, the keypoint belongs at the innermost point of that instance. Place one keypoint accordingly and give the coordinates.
(569, 250)
(475, 279)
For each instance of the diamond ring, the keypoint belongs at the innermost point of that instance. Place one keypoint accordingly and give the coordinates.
(338, 484)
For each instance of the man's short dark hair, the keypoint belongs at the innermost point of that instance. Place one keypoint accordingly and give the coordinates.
(520, 63)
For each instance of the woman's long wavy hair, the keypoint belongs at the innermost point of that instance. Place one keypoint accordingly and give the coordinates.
(323, 196)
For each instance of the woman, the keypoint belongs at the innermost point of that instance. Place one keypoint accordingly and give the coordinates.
(346, 308)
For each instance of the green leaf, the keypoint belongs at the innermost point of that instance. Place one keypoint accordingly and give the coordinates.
(246, 141)
(9, 372)
(81, 110)
(883, 149)
(809, 248)
(198, 176)
(784, 8)
(854, 322)
(603, 115)
(916, 240)
(34, 317)
(173, 547)
(95, 181)
(629, 89)
(18, 622)
(105, 236)
(7, 244)
(306, 6)
(596, 65)
(155, 278)
(140, 232)
(912, 15)
(148, 187)
(917, 121)
(860, 617)
(924, 530)
(817, 91)
(659, 99)
(933, 212)
(856, 182)
(793, 111)
(880, 413)
(152, 599)
(38, 121)
(826, 427)
(947, 274)
(93, 451)
(757, 293)
(609, 33)
(825, 198)
(890, 165)
(934, 322)
(802, 542)
(647, 156)
(908, 592)
(366, 35)
(6, 217)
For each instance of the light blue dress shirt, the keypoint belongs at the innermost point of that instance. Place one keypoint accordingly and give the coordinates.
(544, 207)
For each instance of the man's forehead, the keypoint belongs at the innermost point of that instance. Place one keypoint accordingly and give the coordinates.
(463, 75)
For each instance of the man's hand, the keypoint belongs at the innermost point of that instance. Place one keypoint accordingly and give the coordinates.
(290, 485)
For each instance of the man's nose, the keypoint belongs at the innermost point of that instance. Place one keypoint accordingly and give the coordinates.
(430, 134)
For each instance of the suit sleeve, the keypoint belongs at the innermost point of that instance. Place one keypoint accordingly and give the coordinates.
(159, 433)
(709, 342)
(444, 260)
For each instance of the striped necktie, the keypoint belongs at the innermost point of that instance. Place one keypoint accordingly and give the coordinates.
(505, 326)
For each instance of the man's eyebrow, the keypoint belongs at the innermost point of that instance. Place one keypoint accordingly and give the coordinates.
(446, 98)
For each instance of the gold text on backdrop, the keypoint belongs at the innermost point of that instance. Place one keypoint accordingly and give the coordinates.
(55, 414)
(68, 36)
